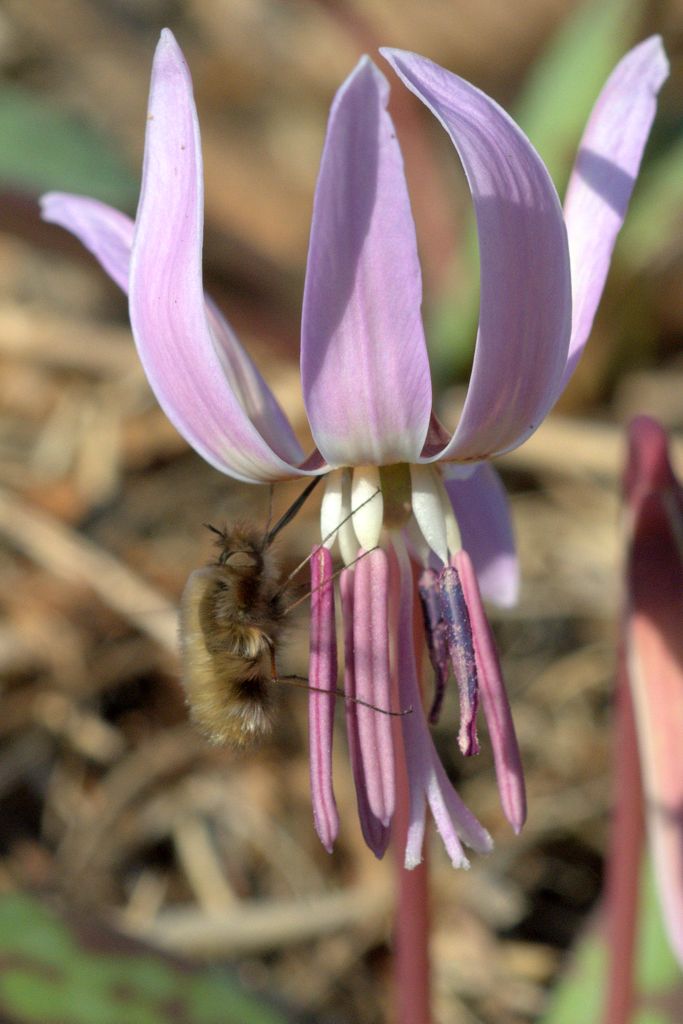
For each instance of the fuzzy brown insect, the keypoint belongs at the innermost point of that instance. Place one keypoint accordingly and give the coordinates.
(231, 621)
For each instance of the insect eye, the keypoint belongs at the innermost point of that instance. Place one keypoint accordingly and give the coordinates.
(240, 560)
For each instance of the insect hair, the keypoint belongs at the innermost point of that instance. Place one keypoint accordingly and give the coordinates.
(231, 623)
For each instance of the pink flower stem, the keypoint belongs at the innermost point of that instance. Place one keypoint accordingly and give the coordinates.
(624, 860)
(411, 937)
(412, 975)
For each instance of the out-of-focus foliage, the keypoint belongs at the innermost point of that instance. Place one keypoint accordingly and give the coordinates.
(653, 231)
(580, 995)
(560, 89)
(54, 972)
(552, 108)
(45, 148)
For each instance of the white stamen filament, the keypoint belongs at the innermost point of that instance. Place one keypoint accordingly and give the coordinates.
(452, 529)
(348, 542)
(366, 497)
(331, 513)
(429, 510)
(419, 548)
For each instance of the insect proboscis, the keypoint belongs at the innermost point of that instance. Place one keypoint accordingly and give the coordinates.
(231, 623)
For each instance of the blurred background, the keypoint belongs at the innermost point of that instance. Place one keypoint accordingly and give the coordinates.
(121, 831)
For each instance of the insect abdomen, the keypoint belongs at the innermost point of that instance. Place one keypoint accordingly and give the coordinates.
(226, 672)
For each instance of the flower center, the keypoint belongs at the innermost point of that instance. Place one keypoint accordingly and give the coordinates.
(359, 503)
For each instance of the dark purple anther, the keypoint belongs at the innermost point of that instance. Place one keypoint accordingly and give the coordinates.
(460, 645)
(436, 633)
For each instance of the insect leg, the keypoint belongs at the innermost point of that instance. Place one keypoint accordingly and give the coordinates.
(334, 576)
(303, 683)
(307, 559)
(271, 491)
(287, 516)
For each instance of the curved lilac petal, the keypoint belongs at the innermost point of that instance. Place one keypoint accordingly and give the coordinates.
(427, 780)
(525, 308)
(603, 178)
(105, 232)
(167, 310)
(322, 674)
(108, 235)
(375, 834)
(508, 762)
(481, 509)
(373, 681)
(363, 357)
(251, 390)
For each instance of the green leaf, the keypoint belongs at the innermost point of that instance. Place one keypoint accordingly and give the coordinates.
(653, 227)
(580, 994)
(57, 970)
(45, 148)
(579, 997)
(564, 83)
(452, 321)
(552, 108)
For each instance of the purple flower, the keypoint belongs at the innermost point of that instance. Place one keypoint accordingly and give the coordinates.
(418, 494)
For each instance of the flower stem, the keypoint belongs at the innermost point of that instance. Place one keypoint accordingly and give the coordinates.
(624, 860)
(411, 938)
(412, 975)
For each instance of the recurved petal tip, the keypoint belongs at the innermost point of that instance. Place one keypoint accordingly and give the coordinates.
(603, 177)
(191, 377)
(104, 231)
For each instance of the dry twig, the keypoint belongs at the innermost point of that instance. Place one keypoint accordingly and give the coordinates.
(268, 925)
(76, 559)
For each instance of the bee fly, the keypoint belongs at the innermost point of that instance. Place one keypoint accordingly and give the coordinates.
(231, 620)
